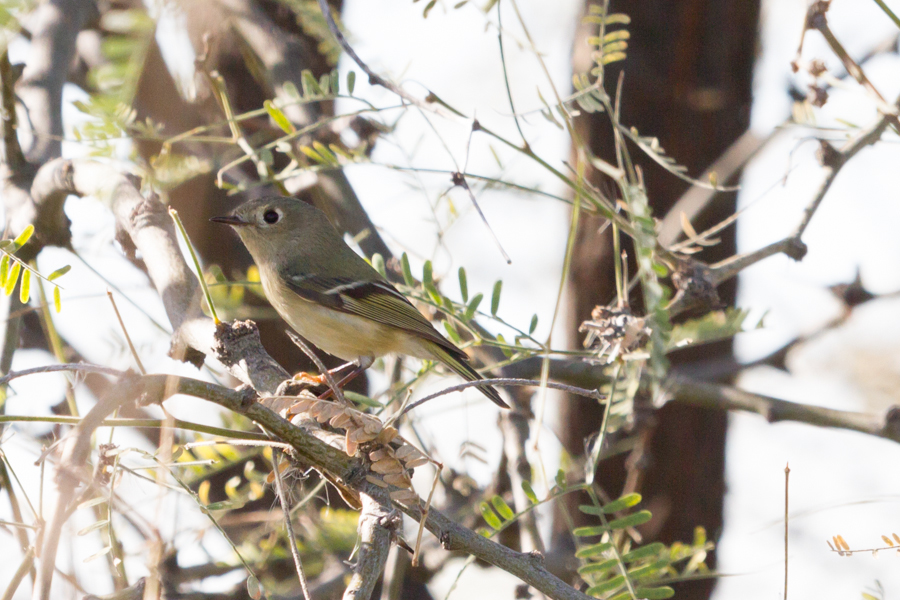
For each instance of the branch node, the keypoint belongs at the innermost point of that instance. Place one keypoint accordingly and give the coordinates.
(795, 248)
(828, 156)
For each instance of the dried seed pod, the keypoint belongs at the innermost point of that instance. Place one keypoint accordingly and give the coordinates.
(406, 451)
(387, 435)
(301, 406)
(416, 462)
(375, 481)
(372, 425)
(378, 454)
(387, 465)
(349, 445)
(360, 436)
(340, 419)
(405, 496)
(398, 479)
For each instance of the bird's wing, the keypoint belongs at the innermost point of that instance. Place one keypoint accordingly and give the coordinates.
(376, 300)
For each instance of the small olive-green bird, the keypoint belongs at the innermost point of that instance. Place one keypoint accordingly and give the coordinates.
(331, 296)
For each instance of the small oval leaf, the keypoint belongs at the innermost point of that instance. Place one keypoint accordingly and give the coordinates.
(59, 272)
(490, 517)
(472, 307)
(407, 273)
(502, 508)
(12, 278)
(463, 285)
(25, 287)
(23, 237)
(495, 297)
(279, 117)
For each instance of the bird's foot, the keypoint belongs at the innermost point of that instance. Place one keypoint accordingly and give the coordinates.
(300, 382)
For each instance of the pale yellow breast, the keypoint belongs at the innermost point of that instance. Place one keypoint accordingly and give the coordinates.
(340, 334)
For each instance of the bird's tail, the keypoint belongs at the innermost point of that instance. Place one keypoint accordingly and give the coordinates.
(465, 370)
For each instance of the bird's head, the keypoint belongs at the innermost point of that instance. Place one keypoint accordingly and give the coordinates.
(274, 225)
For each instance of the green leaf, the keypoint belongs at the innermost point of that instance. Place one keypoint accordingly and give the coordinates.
(606, 586)
(428, 8)
(12, 278)
(327, 154)
(490, 517)
(59, 272)
(57, 301)
(561, 479)
(351, 82)
(291, 90)
(452, 333)
(495, 297)
(533, 326)
(407, 273)
(626, 501)
(279, 117)
(713, 326)
(23, 237)
(529, 491)
(638, 518)
(378, 264)
(593, 550)
(309, 84)
(502, 508)
(654, 593)
(25, 287)
(597, 567)
(463, 285)
(589, 531)
(309, 152)
(472, 307)
(428, 283)
(644, 552)
(4, 269)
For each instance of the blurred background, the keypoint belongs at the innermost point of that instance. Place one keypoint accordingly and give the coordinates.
(697, 76)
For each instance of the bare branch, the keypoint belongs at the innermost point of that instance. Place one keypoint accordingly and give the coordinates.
(377, 525)
(508, 381)
(57, 23)
(774, 410)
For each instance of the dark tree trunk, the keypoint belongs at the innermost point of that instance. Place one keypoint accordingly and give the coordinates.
(688, 79)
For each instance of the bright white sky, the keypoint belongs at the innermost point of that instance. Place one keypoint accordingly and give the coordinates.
(838, 484)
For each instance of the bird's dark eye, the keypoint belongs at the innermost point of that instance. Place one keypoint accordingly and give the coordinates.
(271, 217)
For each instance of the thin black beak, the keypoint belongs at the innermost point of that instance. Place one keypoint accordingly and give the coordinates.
(232, 220)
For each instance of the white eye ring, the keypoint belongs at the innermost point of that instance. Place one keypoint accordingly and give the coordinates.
(271, 216)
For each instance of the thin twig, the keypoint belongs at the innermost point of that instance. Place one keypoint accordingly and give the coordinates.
(79, 368)
(137, 359)
(787, 474)
(512, 382)
(323, 370)
(374, 78)
(289, 527)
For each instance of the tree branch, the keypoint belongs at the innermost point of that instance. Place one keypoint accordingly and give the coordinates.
(378, 523)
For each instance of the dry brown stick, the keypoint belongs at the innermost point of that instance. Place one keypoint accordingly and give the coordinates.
(377, 524)
(289, 527)
(71, 473)
(775, 410)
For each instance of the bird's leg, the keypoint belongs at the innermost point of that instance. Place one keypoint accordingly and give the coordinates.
(317, 380)
(362, 363)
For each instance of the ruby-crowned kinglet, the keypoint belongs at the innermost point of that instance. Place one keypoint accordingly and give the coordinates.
(331, 296)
